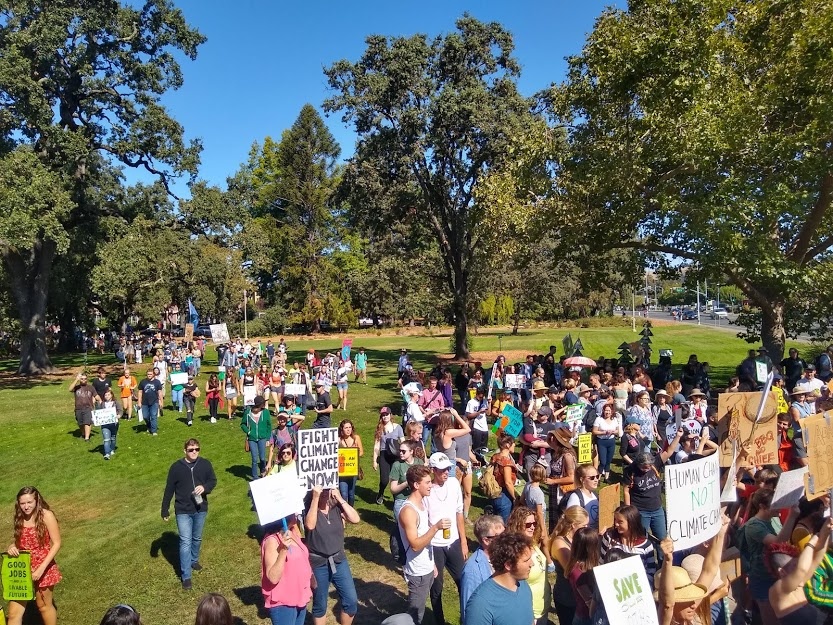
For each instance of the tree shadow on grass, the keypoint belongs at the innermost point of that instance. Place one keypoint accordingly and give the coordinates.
(252, 595)
(377, 601)
(369, 550)
(167, 545)
(242, 471)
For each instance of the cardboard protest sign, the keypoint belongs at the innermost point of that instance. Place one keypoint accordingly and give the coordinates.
(692, 501)
(189, 332)
(348, 462)
(219, 333)
(515, 380)
(514, 420)
(105, 416)
(757, 441)
(179, 378)
(585, 448)
(626, 593)
(318, 457)
(277, 496)
(609, 498)
(249, 394)
(16, 577)
(295, 389)
(789, 489)
(818, 437)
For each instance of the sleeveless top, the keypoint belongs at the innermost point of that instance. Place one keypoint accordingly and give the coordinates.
(562, 592)
(29, 542)
(450, 451)
(422, 562)
(293, 589)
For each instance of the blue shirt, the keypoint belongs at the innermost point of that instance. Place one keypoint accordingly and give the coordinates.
(361, 360)
(476, 571)
(492, 604)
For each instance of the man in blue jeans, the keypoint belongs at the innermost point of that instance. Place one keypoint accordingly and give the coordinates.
(150, 399)
(190, 480)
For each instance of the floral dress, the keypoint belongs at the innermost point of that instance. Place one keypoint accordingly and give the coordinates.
(29, 542)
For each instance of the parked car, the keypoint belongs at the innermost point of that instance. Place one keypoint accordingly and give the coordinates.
(719, 313)
(203, 331)
(366, 322)
(690, 315)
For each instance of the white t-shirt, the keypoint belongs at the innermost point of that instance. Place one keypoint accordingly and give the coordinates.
(414, 413)
(163, 371)
(480, 423)
(609, 427)
(812, 385)
(445, 502)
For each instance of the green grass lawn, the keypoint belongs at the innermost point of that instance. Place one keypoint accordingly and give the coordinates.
(117, 549)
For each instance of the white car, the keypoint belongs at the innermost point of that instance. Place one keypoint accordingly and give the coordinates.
(719, 313)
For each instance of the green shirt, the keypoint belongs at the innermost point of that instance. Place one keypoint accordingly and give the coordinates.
(398, 472)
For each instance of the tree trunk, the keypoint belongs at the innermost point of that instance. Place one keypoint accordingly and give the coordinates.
(29, 278)
(461, 346)
(517, 318)
(773, 335)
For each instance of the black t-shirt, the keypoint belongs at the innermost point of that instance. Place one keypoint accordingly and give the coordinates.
(189, 389)
(645, 488)
(101, 386)
(150, 390)
(322, 403)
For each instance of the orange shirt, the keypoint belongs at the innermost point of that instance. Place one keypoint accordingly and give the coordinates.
(127, 385)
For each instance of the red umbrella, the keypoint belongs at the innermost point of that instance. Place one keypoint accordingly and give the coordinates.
(579, 361)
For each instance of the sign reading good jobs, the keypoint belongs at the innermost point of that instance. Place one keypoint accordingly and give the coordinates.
(16, 576)
(626, 592)
(318, 457)
(692, 501)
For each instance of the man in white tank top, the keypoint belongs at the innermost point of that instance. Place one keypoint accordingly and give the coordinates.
(417, 534)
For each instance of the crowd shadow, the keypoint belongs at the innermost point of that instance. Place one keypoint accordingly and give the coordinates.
(252, 596)
(377, 601)
(168, 546)
(369, 550)
(242, 471)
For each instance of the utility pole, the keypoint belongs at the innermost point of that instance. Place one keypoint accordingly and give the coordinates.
(633, 308)
(698, 302)
(245, 316)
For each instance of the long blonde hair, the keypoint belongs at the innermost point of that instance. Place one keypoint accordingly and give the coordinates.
(571, 517)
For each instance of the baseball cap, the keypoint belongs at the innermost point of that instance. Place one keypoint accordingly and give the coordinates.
(439, 460)
(384, 410)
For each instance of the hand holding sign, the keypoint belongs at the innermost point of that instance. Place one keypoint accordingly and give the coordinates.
(16, 577)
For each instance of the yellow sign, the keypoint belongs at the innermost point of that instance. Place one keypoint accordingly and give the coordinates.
(2, 616)
(16, 575)
(348, 462)
(585, 448)
(783, 407)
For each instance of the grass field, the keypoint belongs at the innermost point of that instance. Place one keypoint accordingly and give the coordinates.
(117, 549)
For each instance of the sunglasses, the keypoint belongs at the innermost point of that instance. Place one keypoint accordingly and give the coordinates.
(192, 449)
(404, 451)
(286, 453)
(530, 525)
(485, 538)
(591, 477)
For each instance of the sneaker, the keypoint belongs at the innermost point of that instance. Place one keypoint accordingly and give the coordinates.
(113, 453)
(186, 584)
(155, 434)
(213, 420)
(190, 423)
(380, 500)
(196, 566)
(106, 456)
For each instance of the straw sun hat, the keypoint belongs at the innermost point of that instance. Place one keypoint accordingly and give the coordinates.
(684, 589)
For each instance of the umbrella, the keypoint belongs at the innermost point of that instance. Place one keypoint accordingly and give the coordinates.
(579, 361)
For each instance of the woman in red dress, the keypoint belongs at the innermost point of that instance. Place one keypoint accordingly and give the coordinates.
(36, 531)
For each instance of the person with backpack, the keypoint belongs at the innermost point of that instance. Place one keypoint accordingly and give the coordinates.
(504, 471)
(584, 495)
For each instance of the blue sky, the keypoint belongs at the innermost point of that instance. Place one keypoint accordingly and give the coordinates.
(263, 60)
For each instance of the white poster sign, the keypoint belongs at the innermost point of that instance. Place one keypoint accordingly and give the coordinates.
(219, 333)
(692, 501)
(515, 380)
(105, 416)
(249, 394)
(179, 378)
(295, 389)
(277, 496)
(789, 489)
(761, 371)
(626, 593)
(318, 457)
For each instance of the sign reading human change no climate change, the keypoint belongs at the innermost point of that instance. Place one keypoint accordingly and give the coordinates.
(318, 457)
(692, 501)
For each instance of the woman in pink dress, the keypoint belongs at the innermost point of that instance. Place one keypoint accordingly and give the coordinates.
(36, 531)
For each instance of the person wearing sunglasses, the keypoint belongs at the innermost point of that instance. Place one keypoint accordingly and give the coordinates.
(285, 456)
(401, 491)
(478, 567)
(190, 480)
(584, 494)
(524, 521)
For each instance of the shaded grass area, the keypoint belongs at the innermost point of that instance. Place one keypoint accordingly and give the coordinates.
(117, 549)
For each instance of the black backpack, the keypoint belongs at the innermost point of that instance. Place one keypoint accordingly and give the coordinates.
(589, 418)
(562, 504)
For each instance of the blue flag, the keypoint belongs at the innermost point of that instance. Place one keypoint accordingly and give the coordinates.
(193, 317)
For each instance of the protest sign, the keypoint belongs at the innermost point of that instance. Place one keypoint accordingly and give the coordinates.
(626, 593)
(567, 345)
(219, 333)
(585, 448)
(2, 616)
(515, 380)
(189, 332)
(346, 344)
(730, 491)
(277, 496)
(348, 462)
(692, 501)
(789, 489)
(609, 498)
(295, 389)
(575, 413)
(16, 577)
(179, 378)
(515, 422)
(318, 457)
(818, 437)
(249, 394)
(761, 371)
(757, 441)
(105, 416)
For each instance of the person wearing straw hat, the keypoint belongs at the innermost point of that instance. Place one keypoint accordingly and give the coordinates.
(539, 391)
(799, 409)
(678, 596)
